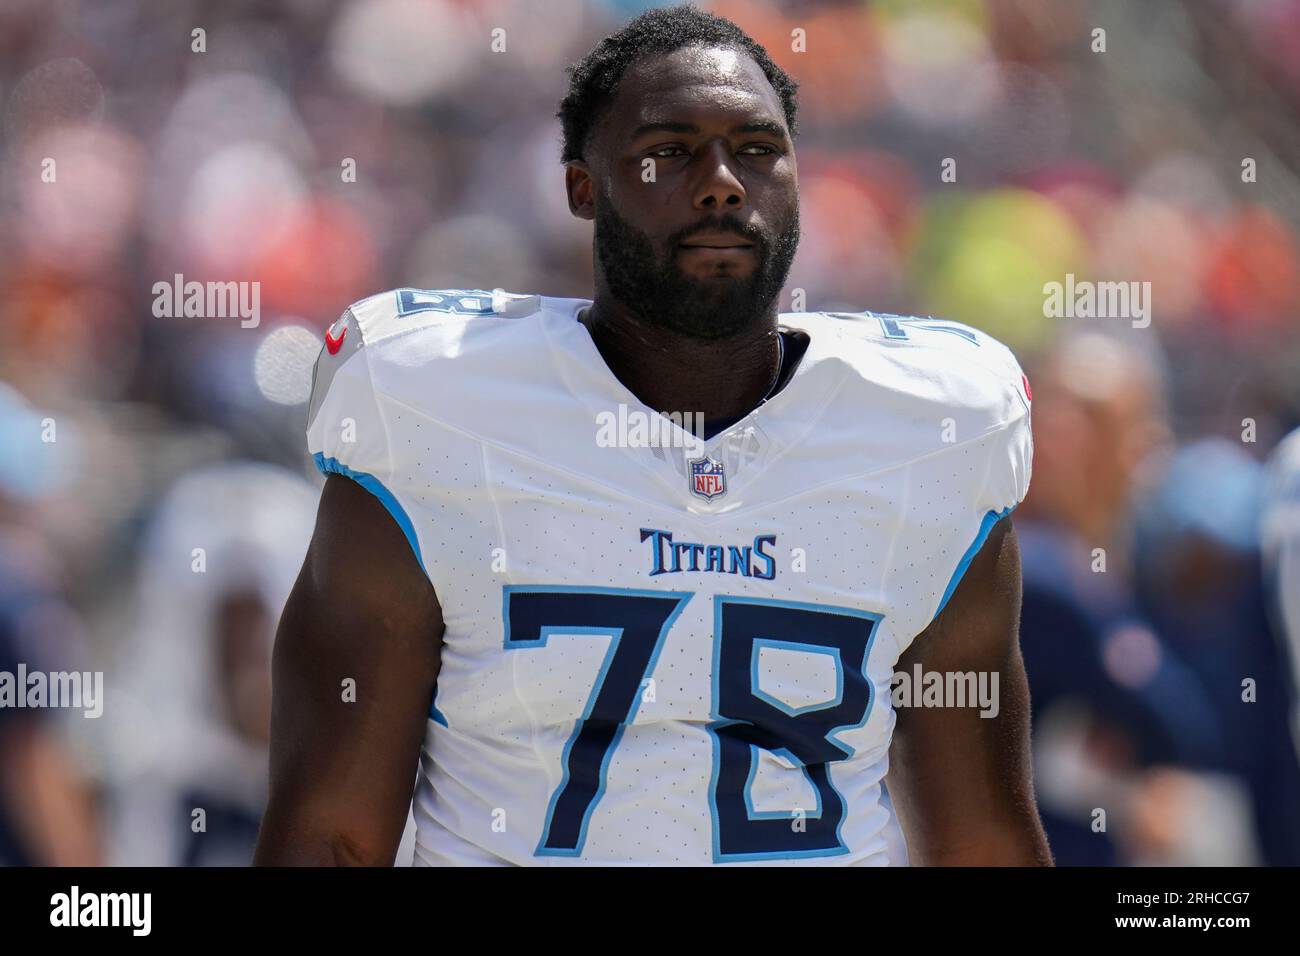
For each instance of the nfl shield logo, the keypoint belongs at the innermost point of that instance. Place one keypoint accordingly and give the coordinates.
(708, 478)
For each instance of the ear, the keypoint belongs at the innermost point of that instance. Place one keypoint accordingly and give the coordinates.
(581, 187)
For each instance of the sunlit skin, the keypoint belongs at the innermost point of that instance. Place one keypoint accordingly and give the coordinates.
(723, 161)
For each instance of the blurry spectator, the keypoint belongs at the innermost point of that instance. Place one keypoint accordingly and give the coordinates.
(190, 724)
(47, 813)
(1200, 585)
(1110, 699)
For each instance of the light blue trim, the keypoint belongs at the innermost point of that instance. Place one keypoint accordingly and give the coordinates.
(778, 814)
(376, 487)
(986, 527)
(436, 715)
(832, 652)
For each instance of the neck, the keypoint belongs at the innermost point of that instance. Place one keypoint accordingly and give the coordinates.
(670, 372)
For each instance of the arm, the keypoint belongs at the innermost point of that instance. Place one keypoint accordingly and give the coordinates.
(961, 783)
(362, 608)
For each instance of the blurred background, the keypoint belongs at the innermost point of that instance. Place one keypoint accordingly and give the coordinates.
(1158, 535)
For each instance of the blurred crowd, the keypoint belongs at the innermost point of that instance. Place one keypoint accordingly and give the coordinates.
(955, 155)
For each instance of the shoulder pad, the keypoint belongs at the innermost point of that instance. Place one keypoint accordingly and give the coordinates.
(397, 311)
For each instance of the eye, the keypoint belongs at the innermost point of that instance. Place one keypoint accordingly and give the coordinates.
(766, 149)
(659, 153)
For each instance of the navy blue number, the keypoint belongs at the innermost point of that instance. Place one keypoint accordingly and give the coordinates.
(892, 325)
(458, 301)
(636, 622)
(747, 720)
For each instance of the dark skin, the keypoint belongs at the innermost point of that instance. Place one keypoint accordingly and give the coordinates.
(737, 162)
(962, 784)
(342, 773)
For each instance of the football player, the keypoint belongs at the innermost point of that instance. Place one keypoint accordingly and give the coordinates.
(676, 651)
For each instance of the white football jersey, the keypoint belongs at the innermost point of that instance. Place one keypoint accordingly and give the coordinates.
(660, 650)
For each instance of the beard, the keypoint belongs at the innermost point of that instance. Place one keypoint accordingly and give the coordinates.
(659, 293)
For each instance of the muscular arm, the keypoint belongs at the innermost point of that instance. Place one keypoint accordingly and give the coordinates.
(362, 608)
(962, 783)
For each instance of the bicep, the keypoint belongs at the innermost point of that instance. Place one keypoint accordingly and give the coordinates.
(355, 662)
(961, 777)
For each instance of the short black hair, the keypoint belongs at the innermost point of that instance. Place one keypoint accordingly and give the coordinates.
(593, 79)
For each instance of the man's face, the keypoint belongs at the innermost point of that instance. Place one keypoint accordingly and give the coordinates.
(694, 147)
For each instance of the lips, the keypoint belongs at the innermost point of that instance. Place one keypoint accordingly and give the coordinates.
(718, 240)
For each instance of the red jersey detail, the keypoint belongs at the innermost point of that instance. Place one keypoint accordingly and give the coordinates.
(334, 344)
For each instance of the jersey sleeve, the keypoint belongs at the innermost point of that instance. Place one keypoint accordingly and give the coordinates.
(346, 431)
(999, 464)
(1010, 453)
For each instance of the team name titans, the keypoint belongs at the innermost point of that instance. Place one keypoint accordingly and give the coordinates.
(669, 556)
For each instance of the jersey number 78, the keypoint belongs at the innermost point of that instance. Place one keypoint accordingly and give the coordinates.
(744, 719)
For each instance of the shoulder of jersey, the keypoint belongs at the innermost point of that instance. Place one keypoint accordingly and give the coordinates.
(409, 327)
(434, 322)
(929, 359)
(399, 312)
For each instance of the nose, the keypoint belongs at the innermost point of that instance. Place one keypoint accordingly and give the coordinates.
(719, 187)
